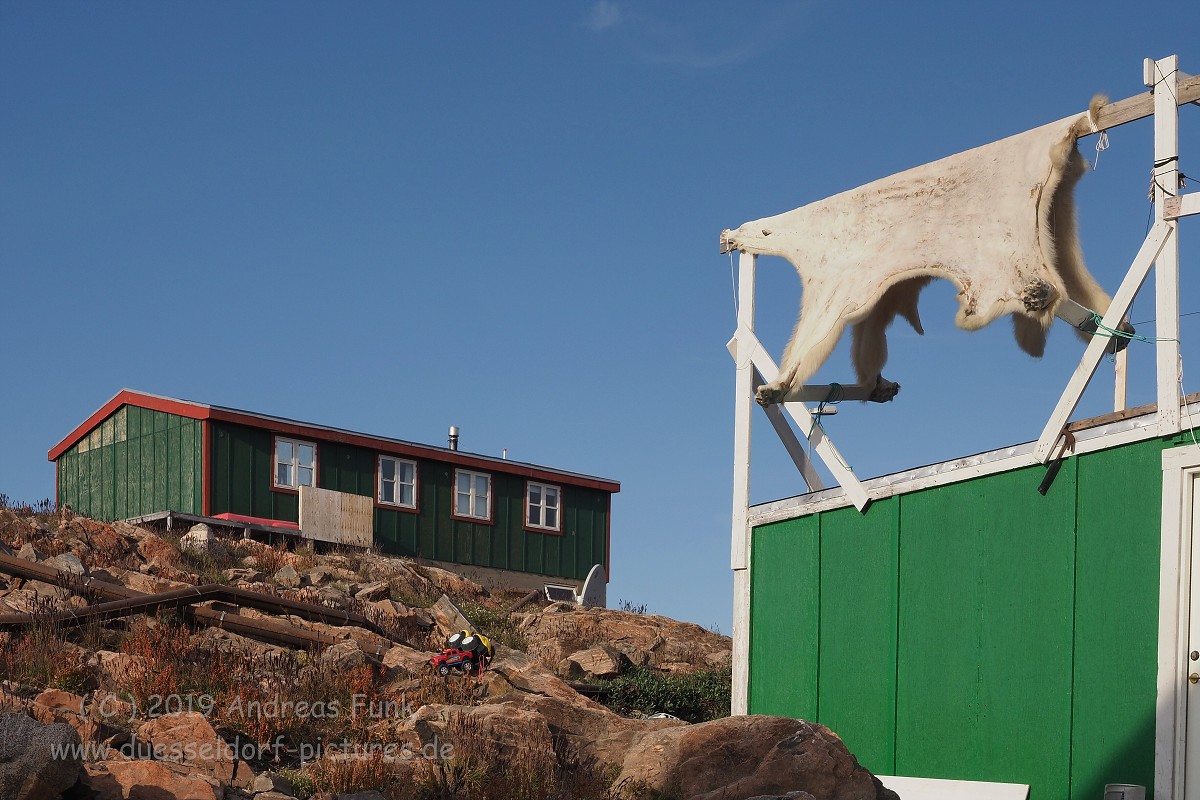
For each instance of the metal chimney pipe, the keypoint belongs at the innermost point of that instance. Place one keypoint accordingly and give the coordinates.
(453, 437)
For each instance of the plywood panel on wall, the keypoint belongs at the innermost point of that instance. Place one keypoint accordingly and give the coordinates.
(339, 517)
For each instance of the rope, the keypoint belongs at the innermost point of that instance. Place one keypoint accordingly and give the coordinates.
(1104, 330)
(1101, 146)
(836, 393)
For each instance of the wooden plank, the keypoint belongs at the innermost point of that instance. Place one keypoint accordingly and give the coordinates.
(785, 609)
(743, 413)
(1116, 618)
(1071, 395)
(985, 632)
(1183, 205)
(859, 595)
(1166, 266)
(804, 418)
(1141, 106)
(790, 443)
(339, 517)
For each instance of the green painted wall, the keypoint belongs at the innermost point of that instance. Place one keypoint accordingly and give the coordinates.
(241, 472)
(975, 631)
(135, 462)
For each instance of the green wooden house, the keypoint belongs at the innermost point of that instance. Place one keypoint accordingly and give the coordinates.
(511, 523)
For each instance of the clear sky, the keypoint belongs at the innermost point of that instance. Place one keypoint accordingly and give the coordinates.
(396, 217)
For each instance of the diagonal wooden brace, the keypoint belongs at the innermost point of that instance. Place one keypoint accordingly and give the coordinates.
(744, 340)
(1156, 239)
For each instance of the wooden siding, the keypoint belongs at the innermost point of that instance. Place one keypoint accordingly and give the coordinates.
(137, 461)
(242, 464)
(976, 631)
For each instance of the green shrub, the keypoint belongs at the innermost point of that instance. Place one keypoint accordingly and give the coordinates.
(496, 624)
(698, 697)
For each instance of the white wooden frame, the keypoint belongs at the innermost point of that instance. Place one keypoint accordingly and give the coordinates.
(294, 463)
(1180, 467)
(379, 459)
(557, 526)
(1160, 249)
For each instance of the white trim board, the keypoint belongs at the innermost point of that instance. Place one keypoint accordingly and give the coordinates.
(938, 789)
(1101, 437)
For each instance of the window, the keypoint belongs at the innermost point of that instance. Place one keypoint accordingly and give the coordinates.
(397, 482)
(472, 494)
(541, 506)
(295, 463)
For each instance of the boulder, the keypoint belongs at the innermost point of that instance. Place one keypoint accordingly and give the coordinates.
(273, 782)
(37, 760)
(201, 539)
(318, 576)
(144, 780)
(187, 739)
(406, 659)
(451, 583)
(332, 597)
(287, 577)
(343, 656)
(647, 640)
(243, 574)
(67, 562)
(115, 668)
(508, 729)
(449, 618)
(514, 671)
(29, 553)
(55, 705)
(373, 591)
(747, 756)
(158, 551)
(601, 661)
(149, 584)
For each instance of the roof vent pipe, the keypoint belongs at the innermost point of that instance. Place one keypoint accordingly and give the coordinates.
(453, 437)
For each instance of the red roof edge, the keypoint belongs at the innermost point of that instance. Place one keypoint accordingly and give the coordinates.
(132, 398)
(200, 411)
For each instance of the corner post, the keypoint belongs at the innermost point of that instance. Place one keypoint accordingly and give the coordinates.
(1166, 266)
(739, 557)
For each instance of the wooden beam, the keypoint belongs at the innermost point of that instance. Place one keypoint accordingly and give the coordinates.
(1151, 247)
(1166, 265)
(790, 443)
(743, 411)
(804, 418)
(1131, 109)
(1183, 205)
(820, 392)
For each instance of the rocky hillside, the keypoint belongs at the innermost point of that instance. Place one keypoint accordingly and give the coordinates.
(142, 663)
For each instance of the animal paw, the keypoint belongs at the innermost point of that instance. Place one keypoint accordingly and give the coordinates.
(1036, 296)
(884, 390)
(769, 394)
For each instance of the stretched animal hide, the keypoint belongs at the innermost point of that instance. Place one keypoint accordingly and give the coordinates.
(998, 221)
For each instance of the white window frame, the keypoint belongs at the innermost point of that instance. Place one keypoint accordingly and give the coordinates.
(543, 506)
(395, 503)
(293, 465)
(474, 511)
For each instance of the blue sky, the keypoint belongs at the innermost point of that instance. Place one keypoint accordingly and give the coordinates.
(394, 217)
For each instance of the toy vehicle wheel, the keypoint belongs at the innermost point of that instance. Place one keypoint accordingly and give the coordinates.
(443, 670)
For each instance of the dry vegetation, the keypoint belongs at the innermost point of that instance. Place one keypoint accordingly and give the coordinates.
(164, 657)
